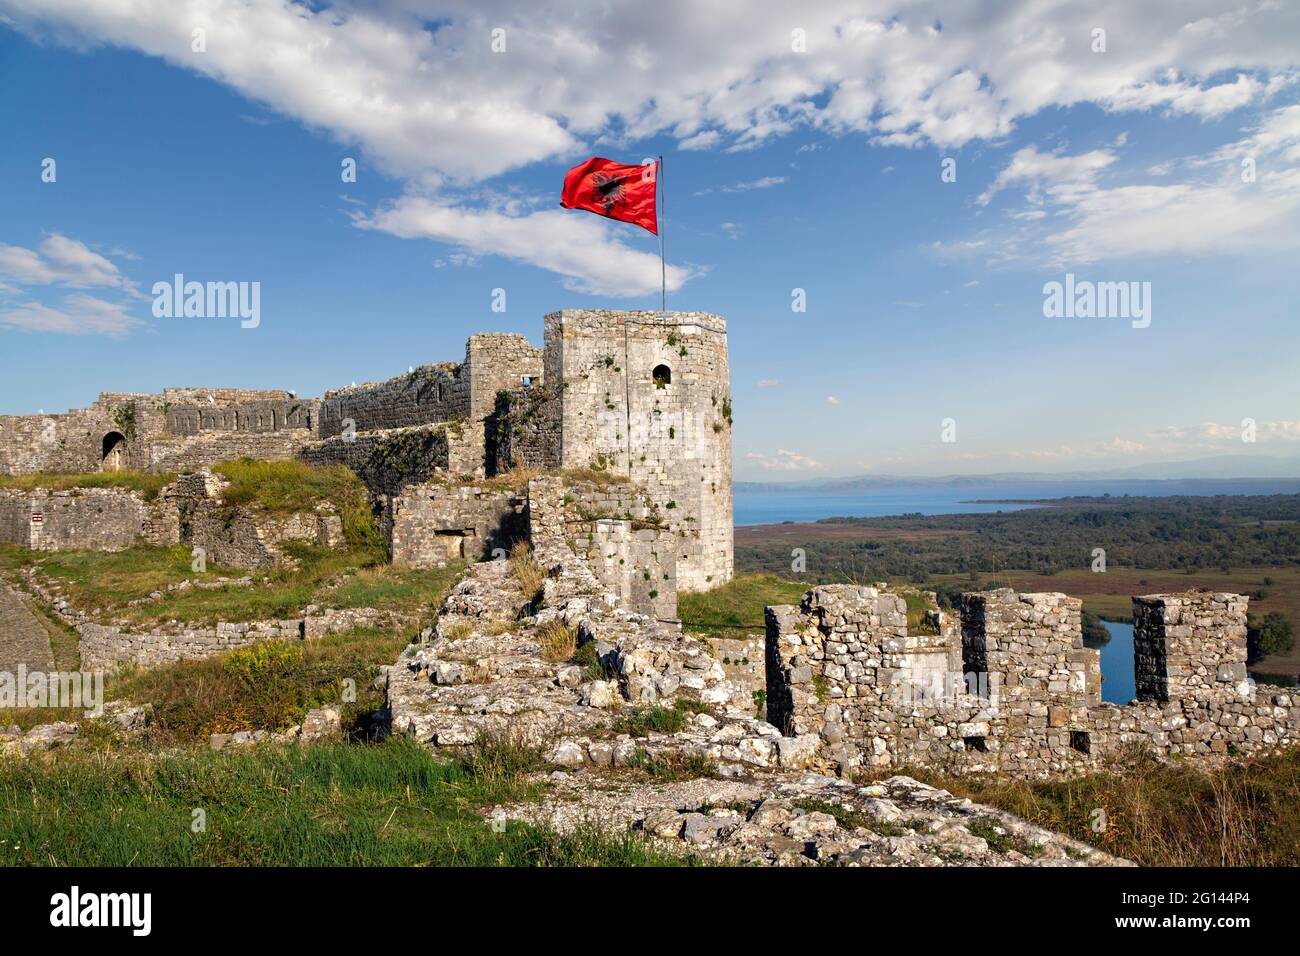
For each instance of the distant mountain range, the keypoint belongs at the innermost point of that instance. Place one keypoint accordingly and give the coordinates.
(1220, 468)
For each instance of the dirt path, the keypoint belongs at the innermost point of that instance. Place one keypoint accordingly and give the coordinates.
(23, 639)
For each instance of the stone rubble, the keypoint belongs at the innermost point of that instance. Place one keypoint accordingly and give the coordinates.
(803, 819)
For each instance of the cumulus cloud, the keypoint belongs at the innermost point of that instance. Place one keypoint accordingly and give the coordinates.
(783, 460)
(60, 262)
(420, 88)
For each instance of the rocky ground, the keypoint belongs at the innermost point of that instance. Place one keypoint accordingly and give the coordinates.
(650, 738)
(804, 819)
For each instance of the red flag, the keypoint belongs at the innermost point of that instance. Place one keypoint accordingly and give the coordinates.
(614, 190)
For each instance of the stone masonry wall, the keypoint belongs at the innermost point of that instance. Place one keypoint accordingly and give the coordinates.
(106, 647)
(386, 460)
(93, 519)
(842, 667)
(524, 430)
(621, 536)
(668, 430)
(434, 524)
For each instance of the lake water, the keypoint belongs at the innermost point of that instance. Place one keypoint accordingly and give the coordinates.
(752, 507)
(1118, 686)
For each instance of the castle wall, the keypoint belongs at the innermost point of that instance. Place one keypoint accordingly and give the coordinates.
(672, 437)
(93, 519)
(386, 460)
(434, 524)
(435, 393)
(622, 537)
(524, 430)
(837, 673)
(426, 394)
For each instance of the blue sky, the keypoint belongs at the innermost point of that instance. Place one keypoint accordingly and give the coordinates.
(817, 170)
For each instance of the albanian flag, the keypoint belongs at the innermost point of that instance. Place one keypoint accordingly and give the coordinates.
(614, 190)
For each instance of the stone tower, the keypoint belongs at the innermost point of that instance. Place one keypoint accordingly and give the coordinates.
(647, 395)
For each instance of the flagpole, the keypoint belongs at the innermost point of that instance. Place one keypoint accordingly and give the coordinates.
(663, 268)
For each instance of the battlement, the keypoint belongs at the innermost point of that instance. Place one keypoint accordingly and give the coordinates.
(1010, 686)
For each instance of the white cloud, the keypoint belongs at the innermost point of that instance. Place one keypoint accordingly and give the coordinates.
(832, 400)
(783, 460)
(769, 383)
(59, 260)
(583, 249)
(1073, 215)
(80, 314)
(416, 85)
(765, 182)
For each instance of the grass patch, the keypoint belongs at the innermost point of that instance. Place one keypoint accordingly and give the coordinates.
(268, 686)
(737, 605)
(149, 485)
(918, 604)
(525, 569)
(559, 641)
(1174, 814)
(284, 487)
(328, 805)
(584, 655)
(668, 767)
(845, 817)
(103, 584)
(643, 721)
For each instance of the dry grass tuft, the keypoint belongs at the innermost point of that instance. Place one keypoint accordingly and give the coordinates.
(558, 641)
(526, 570)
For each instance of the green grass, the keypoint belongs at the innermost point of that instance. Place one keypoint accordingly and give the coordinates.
(917, 606)
(392, 804)
(150, 485)
(267, 686)
(737, 605)
(643, 721)
(103, 584)
(288, 486)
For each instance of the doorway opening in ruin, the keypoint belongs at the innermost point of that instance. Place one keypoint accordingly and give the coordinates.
(662, 376)
(113, 452)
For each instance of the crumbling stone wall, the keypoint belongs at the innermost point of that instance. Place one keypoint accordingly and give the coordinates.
(171, 431)
(843, 666)
(434, 524)
(386, 460)
(644, 394)
(622, 537)
(524, 430)
(105, 647)
(428, 393)
(207, 449)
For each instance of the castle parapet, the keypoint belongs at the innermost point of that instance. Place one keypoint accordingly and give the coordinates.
(1190, 644)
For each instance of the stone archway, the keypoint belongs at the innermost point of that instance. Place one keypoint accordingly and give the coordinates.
(113, 452)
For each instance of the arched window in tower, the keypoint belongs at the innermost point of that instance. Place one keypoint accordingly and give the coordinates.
(662, 375)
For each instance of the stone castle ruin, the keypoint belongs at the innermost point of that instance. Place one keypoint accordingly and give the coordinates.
(618, 435)
(641, 396)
